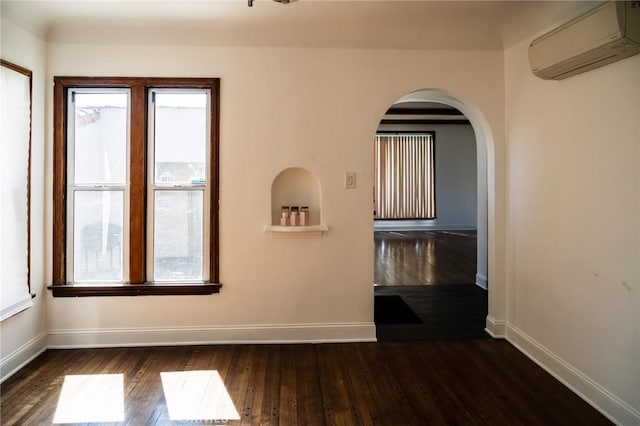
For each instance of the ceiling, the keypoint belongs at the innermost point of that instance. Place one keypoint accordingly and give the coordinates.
(366, 24)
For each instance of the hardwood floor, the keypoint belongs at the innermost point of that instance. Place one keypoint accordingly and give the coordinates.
(425, 257)
(445, 311)
(434, 273)
(442, 382)
(474, 382)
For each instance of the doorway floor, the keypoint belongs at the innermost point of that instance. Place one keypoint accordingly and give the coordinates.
(433, 273)
(444, 311)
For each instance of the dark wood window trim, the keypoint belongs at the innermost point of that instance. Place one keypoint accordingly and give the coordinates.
(148, 289)
(137, 251)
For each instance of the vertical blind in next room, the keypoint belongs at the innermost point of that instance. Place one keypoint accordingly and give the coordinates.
(404, 174)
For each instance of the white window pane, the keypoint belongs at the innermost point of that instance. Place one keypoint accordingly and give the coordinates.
(180, 137)
(100, 138)
(178, 235)
(97, 231)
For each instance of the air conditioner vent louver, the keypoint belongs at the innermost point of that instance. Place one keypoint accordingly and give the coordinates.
(603, 35)
(559, 75)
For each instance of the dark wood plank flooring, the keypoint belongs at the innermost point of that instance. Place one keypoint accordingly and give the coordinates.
(434, 273)
(473, 382)
(446, 312)
(425, 257)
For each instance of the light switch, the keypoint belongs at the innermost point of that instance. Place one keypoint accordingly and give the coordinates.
(350, 180)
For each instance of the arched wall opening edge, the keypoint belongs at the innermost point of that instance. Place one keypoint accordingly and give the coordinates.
(486, 211)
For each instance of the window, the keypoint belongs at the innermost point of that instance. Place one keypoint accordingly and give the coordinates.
(404, 176)
(15, 170)
(178, 205)
(135, 186)
(97, 185)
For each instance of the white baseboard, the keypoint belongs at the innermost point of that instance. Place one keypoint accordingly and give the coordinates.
(495, 328)
(600, 398)
(481, 281)
(22, 356)
(240, 334)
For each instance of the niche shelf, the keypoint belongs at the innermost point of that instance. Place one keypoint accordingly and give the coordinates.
(296, 186)
(311, 230)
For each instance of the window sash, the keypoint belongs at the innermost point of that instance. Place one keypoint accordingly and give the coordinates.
(73, 188)
(157, 186)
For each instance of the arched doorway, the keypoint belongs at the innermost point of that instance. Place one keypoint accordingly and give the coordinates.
(449, 105)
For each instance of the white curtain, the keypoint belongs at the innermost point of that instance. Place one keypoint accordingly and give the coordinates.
(404, 177)
(15, 124)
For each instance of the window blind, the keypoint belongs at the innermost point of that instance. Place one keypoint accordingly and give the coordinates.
(15, 134)
(404, 177)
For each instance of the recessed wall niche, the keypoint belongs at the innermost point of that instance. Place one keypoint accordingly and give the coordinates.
(296, 186)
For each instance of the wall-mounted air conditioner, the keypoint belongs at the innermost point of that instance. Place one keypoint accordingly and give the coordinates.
(605, 34)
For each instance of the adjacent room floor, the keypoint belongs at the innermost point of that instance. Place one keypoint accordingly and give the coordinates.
(424, 257)
(424, 286)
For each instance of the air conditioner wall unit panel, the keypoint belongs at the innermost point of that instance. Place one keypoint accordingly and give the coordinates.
(601, 36)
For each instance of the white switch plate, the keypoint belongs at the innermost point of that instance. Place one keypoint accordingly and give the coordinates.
(350, 180)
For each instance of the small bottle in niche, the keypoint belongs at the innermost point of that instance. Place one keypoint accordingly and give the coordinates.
(284, 216)
(304, 216)
(293, 217)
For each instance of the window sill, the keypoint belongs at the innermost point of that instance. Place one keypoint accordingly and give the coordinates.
(148, 289)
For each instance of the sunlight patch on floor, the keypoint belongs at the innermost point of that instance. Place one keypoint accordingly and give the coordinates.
(197, 395)
(93, 398)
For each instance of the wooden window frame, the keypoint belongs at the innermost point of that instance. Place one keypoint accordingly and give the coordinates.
(138, 284)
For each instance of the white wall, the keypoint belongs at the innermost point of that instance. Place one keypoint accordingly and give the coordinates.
(574, 227)
(456, 164)
(456, 177)
(23, 335)
(312, 108)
